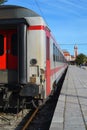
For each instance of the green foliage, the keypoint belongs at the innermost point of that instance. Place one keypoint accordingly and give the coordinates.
(2, 1)
(81, 59)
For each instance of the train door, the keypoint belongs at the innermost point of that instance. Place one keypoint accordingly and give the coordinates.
(47, 66)
(8, 49)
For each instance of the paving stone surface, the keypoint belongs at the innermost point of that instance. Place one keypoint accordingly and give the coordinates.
(71, 109)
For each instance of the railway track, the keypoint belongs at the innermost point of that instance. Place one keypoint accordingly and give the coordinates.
(38, 118)
(42, 116)
(9, 121)
(30, 119)
(18, 121)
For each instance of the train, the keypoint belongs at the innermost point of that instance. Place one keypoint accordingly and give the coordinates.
(31, 61)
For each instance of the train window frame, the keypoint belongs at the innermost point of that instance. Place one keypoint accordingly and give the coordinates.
(1, 45)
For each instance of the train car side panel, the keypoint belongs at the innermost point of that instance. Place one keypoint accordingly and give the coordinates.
(36, 50)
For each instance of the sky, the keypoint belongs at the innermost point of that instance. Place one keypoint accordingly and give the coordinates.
(67, 20)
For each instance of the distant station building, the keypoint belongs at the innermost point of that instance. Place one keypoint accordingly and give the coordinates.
(67, 55)
(71, 58)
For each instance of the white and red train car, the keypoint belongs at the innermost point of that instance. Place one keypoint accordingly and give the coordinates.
(30, 59)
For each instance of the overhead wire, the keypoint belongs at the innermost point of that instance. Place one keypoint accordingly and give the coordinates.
(74, 44)
(42, 14)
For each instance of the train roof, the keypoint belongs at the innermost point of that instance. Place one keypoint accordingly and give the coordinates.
(10, 11)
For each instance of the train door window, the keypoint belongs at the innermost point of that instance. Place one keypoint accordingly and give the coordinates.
(57, 55)
(54, 52)
(14, 46)
(1, 44)
(12, 50)
(47, 48)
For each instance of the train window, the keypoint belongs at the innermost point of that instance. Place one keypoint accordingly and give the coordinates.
(14, 45)
(59, 56)
(53, 52)
(47, 48)
(1, 44)
(56, 53)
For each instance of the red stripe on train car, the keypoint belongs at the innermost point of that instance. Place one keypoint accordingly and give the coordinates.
(37, 27)
(55, 70)
(48, 73)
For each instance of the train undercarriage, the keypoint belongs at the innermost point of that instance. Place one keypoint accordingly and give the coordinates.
(18, 97)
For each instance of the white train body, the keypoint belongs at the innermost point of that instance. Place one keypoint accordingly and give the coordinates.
(36, 61)
(50, 69)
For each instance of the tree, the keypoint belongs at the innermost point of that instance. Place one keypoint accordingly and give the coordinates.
(2, 1)
(81, 59)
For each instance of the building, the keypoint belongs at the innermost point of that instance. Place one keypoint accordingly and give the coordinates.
(75, 51)
(69, 57)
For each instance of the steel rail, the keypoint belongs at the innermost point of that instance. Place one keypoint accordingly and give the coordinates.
(30, 119)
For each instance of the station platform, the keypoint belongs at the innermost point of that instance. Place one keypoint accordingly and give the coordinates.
(71, 109)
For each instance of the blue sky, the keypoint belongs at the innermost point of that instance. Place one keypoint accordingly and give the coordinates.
(67, 20)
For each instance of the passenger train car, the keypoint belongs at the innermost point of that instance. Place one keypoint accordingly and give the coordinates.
(30, 59)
